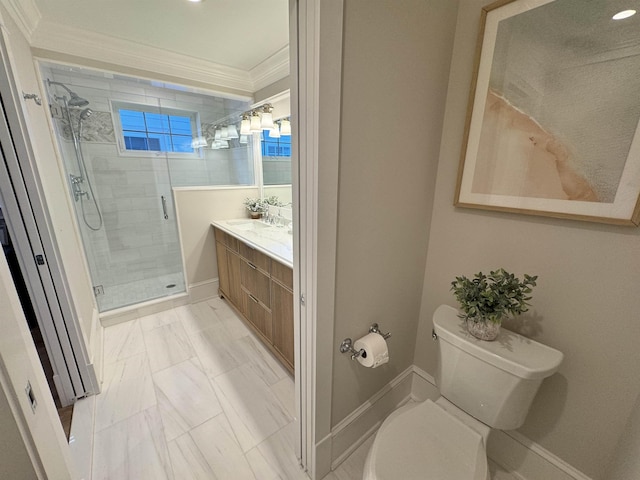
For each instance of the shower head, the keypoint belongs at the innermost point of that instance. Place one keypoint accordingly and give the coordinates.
(75, 100)
(86, 113)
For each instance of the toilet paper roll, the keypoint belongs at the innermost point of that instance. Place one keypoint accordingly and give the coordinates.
(375, 349)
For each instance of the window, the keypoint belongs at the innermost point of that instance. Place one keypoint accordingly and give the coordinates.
(145, 128)
(275, 147)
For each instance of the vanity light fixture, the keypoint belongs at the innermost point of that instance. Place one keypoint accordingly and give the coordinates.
(245, 125)
(266, 121)
(244, 139)
(218, 135)
(198, 142)
(624, 14)
(285, 127)
(256, 124)
(232, 132)
(257, 120)
(275, 131)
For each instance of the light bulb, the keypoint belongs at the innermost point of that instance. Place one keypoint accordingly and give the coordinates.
(267, 118)
(245, 125)
(275, 131)
(624, 14)
(255, 122)
(285, 127)
(232, 132)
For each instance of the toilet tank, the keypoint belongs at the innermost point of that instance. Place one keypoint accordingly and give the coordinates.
(496, 381)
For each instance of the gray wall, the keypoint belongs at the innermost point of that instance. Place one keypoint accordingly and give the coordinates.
(585, 304)
(394, 87)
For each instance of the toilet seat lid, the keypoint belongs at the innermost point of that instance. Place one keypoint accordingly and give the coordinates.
(425, 442)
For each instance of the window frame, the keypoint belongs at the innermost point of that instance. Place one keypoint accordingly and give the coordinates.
(194, 116)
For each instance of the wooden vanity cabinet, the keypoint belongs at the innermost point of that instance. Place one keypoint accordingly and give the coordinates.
(261, 290)
(229, 267)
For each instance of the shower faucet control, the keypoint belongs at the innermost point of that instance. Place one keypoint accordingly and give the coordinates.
(76, 187)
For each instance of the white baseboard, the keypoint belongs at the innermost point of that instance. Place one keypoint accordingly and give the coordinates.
(363, 422)
(203, 290)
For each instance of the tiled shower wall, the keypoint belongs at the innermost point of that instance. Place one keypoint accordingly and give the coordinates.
(136, 253)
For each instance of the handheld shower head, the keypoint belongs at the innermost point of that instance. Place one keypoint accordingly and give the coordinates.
(75, 100)
(86, 113)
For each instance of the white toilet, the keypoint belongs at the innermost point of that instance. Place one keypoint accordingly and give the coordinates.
(483, 385)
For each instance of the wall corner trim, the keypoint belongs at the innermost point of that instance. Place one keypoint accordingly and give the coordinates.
(271, 69)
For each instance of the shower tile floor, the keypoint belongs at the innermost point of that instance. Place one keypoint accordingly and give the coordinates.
(190, 393)
(131, 293)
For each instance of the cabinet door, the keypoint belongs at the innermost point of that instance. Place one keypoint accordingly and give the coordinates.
(223, 268)
(235, 292)
(282, 318)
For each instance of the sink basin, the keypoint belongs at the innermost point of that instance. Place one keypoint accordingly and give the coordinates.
(248, 225)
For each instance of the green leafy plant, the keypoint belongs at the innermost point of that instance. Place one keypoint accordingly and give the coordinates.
(494, 296)
(257, 205)
(273, 200)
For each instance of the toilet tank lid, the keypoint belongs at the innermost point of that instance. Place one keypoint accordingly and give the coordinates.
(510, 352)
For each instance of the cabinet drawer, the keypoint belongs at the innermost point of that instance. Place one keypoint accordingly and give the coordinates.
(256, 282)
(255, 257)
(226, 239)
(282, 274)
(259, 316)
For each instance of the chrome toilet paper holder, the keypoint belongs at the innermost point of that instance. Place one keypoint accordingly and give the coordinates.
(347, 344)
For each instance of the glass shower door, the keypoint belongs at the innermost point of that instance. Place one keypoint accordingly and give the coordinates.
(120, 191)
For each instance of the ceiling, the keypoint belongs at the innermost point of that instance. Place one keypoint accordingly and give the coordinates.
(234, 33)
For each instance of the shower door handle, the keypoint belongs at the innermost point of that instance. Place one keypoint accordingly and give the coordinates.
(164, 207)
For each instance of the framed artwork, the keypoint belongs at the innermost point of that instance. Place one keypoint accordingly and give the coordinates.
(553, 119)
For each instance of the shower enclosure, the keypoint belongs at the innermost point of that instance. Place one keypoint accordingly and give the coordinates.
(125, 143)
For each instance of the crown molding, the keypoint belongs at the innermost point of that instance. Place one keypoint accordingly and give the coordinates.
(25, 14)
(104, 48)
(270, 70)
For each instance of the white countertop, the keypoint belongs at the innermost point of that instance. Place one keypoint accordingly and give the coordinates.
(273, 241)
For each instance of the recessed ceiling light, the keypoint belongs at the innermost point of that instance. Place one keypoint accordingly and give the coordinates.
(195, 1)
(624, 14)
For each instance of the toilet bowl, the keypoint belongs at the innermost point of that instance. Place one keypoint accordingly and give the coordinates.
(483, 385)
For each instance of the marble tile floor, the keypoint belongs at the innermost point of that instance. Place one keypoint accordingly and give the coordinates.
(190, 393)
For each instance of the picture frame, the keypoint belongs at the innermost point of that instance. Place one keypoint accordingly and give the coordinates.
(553, 121)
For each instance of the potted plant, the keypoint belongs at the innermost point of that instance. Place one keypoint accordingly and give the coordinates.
(256, 207)
(486, 299)
(273, 200)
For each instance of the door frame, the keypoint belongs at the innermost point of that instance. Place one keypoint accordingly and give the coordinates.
(316, 34)
(31, 227)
